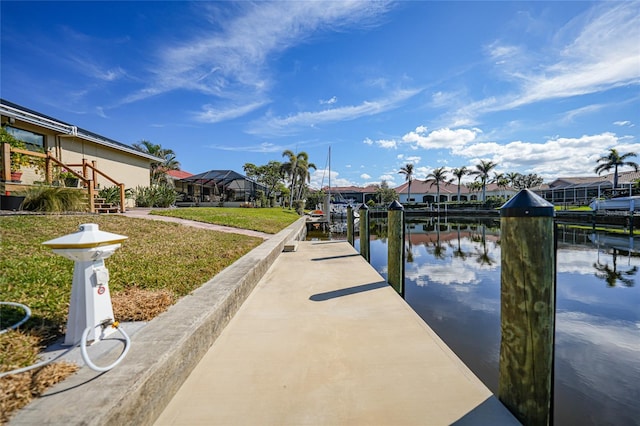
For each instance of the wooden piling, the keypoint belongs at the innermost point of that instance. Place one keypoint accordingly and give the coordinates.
(364, 232)
(527, 301)
(350, 238)
(395, 245)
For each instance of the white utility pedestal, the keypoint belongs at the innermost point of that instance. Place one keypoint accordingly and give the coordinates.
(90, 298)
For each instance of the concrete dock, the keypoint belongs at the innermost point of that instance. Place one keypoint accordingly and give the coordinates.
(323, 340)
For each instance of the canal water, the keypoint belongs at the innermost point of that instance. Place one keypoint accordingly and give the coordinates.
(452, 280)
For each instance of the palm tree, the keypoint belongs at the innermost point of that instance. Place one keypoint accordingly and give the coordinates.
(459, 172)
(613, 161)
(438, 175)
(407, 171)
(159, 169)
(297, 168)
(501, 181)
(482, 172)
(304, 176)
(474, 186)
(513, 178)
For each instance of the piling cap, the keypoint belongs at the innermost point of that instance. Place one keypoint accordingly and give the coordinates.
(363, 206)
(527, 204)
(395, 205)
(88, 236)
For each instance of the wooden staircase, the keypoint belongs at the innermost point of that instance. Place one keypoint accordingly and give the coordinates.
(101, 206)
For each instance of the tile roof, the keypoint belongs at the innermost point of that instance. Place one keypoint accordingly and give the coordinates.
(179, 174)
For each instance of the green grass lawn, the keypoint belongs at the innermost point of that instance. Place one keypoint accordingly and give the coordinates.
(157, 255)
(270, 221)
(158, 263)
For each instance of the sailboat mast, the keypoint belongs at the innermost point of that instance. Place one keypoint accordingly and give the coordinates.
(329, 197)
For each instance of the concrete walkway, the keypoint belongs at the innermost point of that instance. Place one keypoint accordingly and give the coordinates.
(323, 340)
(144, 213)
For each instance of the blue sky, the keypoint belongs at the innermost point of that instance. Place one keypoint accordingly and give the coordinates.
(537, 87)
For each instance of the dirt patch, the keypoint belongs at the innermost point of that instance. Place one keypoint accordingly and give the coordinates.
(136, 304)
(17, 390)
(21, 348)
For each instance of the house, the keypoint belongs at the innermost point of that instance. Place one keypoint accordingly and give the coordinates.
(426, 191)
(582, 189)
(94, 158)
(215, 187)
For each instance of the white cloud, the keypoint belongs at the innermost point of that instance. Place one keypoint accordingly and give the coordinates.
(320, 179)
(595, 52)
(558, 156)
(441, 138)
(329, 101)
(365, 176)
(306, 119)
(367, 141)
(215, 115)
(624, 123)
(229, 59)
(262, 147)
(386, 143)
(569, 116)
(389, 178)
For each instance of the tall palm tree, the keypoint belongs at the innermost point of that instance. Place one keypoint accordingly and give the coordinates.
(438, 175)
(159, 169)
(304, 176)
(407, 171)
(297, 168)
(459, 173)
(613, 161)
(482, 172)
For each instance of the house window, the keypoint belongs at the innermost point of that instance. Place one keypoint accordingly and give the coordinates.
(34, 141)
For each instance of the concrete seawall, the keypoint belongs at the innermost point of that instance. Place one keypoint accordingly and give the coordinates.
(162, 354)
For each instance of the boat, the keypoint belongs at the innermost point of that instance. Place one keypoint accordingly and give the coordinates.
(629, 204)
(339, 208)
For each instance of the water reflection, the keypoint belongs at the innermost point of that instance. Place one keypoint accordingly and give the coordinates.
(453, 282)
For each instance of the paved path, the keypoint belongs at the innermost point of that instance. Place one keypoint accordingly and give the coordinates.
(323, 340)
(144, 214)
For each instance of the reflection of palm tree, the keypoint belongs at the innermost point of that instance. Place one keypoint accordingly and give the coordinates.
(612, 275)
(483, 257)
(409, 247)
(438, 250)
(458, 252)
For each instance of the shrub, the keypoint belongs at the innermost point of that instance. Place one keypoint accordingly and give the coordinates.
(155, 196)
(111, 194)
(298, 205)
(55, 200)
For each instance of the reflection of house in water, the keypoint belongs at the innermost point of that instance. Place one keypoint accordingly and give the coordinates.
(434, 230)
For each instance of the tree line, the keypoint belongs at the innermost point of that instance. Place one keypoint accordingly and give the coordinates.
(482, 172)
(290, 178)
